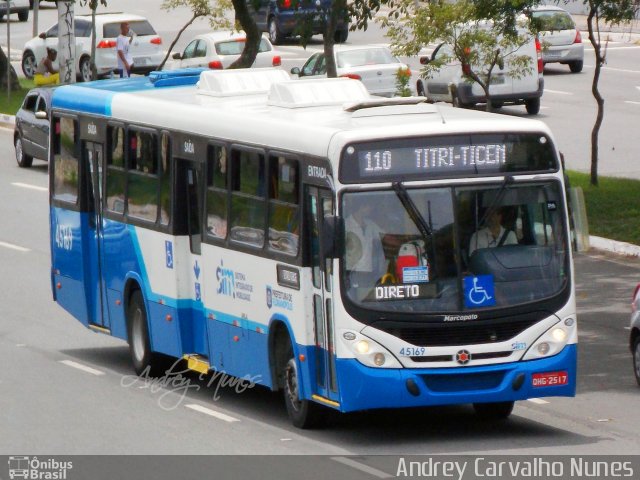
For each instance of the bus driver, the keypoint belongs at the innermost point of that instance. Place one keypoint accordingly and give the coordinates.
(493, 234)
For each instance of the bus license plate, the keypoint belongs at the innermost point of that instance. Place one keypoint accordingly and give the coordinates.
(549, 379)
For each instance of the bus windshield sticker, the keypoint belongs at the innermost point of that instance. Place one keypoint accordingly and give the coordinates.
(415, 274)
(479, 291)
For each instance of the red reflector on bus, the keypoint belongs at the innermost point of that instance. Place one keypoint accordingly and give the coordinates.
(549, 379)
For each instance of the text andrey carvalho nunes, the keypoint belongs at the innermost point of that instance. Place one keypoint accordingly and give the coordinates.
(575, 467)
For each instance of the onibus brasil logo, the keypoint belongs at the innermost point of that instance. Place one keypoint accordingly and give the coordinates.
(36, 469)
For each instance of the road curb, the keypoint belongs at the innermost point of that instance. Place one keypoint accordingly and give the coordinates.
(613, 246)
(7, 121)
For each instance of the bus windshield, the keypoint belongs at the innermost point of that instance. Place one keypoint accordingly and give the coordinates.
(442, 250)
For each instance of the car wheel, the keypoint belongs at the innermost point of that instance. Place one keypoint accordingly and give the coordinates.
(24, 160)
(23, 15)
(303, 413)
(275, 35)
(576, 67)
(85, 69)
(145, 362)
(341, 36)
(493, 411)
(636, 358)
(29, 64)
(533, 106)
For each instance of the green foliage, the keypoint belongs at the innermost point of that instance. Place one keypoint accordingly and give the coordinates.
(403, 77)
(213, 10)
(480, 38)
(613, 207)
(614, 12)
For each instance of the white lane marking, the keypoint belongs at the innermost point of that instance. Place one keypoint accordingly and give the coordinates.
(632, 102)
(613, 69)
(558, 92)
(20, 345)
(31, 187)
(613, 48)
(79, 366)
(213, 413)
(362, 467)
(538, 401)
(627, 328)
(11, 246)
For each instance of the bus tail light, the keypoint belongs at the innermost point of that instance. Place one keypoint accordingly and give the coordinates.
(215, 65)
(539, 54)
(277, 61)
(106, 44)
(354, 76)
(285, 3)
(578, 38)
(156, 41)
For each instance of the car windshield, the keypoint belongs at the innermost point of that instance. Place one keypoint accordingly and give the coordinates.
(235, 47)
(365, 56)
(139, 27)
(453, 249)
(550, 20)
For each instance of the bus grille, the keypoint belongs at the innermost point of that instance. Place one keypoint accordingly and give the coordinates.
(463, 382)
(468, 333)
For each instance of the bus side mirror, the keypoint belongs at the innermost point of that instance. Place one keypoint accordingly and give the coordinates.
(332, 236)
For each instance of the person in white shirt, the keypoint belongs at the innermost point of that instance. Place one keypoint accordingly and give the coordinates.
(123, 42)
(493, 235)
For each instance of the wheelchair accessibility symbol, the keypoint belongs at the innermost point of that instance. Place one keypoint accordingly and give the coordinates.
(479, 291)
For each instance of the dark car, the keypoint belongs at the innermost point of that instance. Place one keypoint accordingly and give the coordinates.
(279, 18)
(31, 134)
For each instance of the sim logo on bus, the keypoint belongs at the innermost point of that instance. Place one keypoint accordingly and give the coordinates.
(225, 277)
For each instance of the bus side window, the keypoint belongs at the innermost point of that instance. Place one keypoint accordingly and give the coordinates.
(284, 218)
(116, 173)
(248, 199)
(65, 158)
(142, 201)
(217, 197)
(165, 179)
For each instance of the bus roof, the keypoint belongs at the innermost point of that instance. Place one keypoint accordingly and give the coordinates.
(264, 107)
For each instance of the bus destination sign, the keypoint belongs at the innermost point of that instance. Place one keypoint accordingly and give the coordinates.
(415, 159)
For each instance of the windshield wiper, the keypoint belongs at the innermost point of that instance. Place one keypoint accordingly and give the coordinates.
(412, 210)
(508, 179)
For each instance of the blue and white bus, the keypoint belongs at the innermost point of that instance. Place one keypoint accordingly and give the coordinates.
(355, 252)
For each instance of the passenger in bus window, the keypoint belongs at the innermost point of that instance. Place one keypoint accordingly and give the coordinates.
(493, 234)
(364, 252)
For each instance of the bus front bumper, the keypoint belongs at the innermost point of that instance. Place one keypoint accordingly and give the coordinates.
(364, 388)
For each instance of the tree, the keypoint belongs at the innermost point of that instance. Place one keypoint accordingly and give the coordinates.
(248, 24)
(612, 12)
(199, 9)
(481, 35)
(93, 5)
(14, 84)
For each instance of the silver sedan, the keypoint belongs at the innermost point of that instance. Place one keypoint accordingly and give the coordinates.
(561, 40)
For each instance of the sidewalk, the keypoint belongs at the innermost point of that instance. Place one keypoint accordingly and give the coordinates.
(629, 32)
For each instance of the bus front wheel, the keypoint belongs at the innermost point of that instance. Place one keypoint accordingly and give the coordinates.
(145, 362)
(304, 414)
(493, 411)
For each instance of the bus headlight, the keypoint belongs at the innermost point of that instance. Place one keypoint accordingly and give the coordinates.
(551, 342)
(369, 352)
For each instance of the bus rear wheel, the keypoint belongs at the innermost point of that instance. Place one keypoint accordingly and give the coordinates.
(493, 411)
(145, 362)
(304, 414)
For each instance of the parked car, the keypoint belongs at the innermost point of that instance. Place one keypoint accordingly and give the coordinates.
(31, 133)
(634, 339)
(146, 45)
(450, 84)
(21, 7)
(281, 17)
(376, 67)
(220, 49)
(561, 40)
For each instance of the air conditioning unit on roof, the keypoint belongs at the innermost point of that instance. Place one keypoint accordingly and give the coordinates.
(241, 81)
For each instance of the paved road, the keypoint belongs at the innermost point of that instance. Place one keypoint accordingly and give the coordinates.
(64, 389)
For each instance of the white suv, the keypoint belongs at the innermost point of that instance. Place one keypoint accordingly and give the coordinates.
(146, 45)
(21, 7)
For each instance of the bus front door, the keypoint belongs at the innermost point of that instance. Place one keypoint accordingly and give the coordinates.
(96, 289)
(319, 204)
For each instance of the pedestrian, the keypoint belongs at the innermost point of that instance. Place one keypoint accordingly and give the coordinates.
(45, 73)
(123, 42)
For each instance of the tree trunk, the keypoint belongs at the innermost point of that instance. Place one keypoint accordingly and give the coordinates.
(329, 39)
(175, 40)
(597, 47)
(66, 43)
(248, 24)
(94, 69)
(13, 77)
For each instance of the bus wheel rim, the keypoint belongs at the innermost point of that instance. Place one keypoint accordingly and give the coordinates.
(138, 340)
(292, 386)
